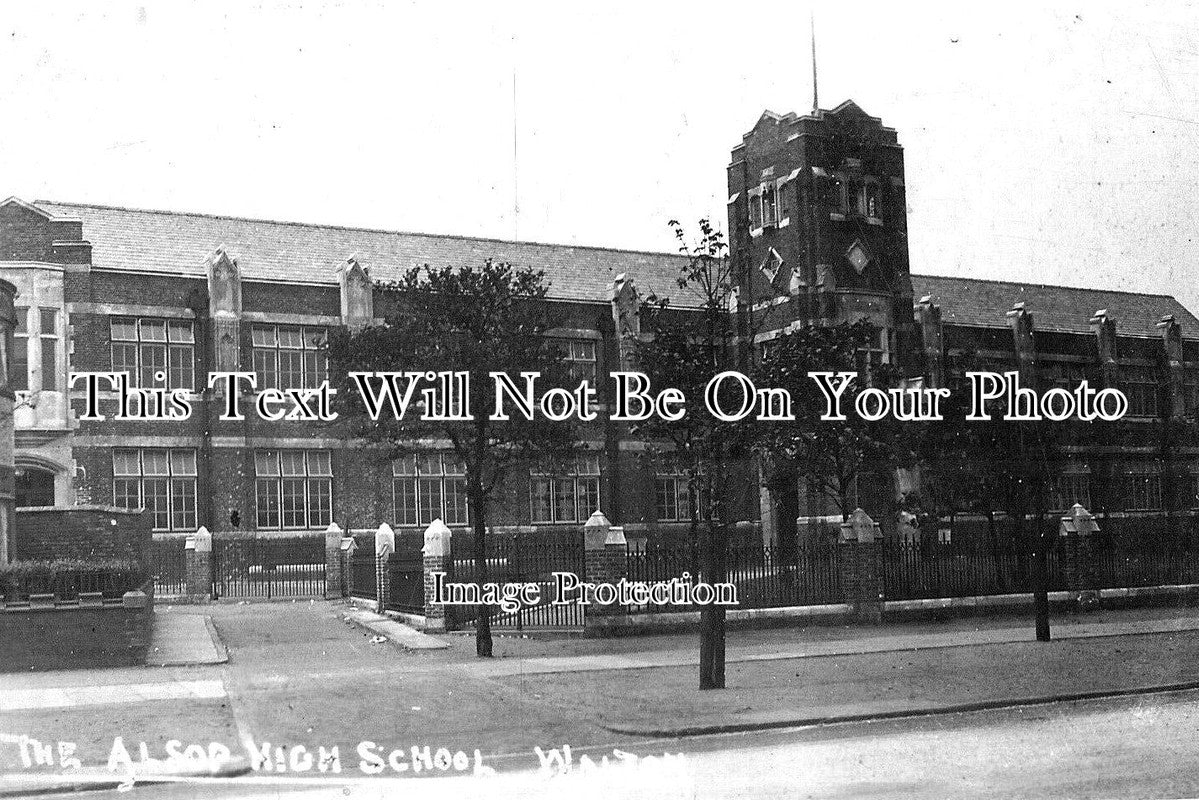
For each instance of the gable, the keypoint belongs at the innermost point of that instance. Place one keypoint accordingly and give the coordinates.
(28, 233)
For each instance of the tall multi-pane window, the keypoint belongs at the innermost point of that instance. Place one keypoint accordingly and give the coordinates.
(293, 488)
(1190, 392)
(429, 486)
(1070, 488)
(836, 194)
(580, 357)
(1142, 485)
(874, 352)
(146, 348)
(871, 204)
(857, 196)
(48, 334)
(770, 204)
(672, 498)
(160, 480)
(20, 351)
(755, 212)
(1066, 375)
(569, 495)
(289, 356)
(1140, 385)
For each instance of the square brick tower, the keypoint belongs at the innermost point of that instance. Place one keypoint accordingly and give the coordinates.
(818, 223)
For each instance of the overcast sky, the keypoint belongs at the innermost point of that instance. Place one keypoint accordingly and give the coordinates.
(1051, 145)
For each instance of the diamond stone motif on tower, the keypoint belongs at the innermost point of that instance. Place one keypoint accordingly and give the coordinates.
(771, 266)
(858, 256)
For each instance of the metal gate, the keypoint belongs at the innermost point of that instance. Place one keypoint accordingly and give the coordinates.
(406, 583)
(168, 562)
(292, 566)
(527, 558)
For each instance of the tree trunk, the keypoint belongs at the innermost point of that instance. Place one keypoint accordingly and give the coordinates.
(693, 537)
(1041, 567)
(711, 617)
(1002, 575)
(479, 526)
(1040, 596)
(786, 500)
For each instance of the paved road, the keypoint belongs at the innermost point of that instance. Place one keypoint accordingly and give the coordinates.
(301, 675)
(1134, 747)
(1146, 746)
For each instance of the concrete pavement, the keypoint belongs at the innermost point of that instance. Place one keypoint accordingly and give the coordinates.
(898, 642)
(393, 630)
(180, 639)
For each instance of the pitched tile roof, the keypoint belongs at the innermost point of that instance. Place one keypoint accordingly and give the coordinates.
(167, 241)
(174, 242)
(969, 301)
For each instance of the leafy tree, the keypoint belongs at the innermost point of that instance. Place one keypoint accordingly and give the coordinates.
(982, 466)
(1020, 457)
(955, 474)
(471, 319)
(831, 455)
(685, 350)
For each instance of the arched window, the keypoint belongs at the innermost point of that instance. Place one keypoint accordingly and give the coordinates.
(755, 211)
(872, 206)
(857, 197)
(836, 194)
(770, 204)
(34, 487)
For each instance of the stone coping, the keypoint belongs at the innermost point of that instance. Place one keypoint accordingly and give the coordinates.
(131, 599)
(97, 508)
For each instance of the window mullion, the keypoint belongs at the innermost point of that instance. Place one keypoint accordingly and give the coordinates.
(307, 515)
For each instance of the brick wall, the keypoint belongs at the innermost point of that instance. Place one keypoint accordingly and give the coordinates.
(152, 290)
(361, 490)
(290, 299)
(361, 484)
(73, 638)
(231, 488)
(26, 235)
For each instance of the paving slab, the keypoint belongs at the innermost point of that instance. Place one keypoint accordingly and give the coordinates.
(182, 639)
(899, 642)
(108, 694)
(762, 694)
(397, 632)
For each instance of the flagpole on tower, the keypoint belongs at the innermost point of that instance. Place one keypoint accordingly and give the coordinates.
(815, 90)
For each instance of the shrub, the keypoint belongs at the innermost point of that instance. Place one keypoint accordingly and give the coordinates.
(66, 578)
(60, 566)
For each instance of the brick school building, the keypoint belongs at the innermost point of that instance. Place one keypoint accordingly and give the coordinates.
(817, 214)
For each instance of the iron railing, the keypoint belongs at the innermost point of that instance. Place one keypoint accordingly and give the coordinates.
(763, 577)
(168, 564)
(269, 567)
(70, 585)
(525, 558)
